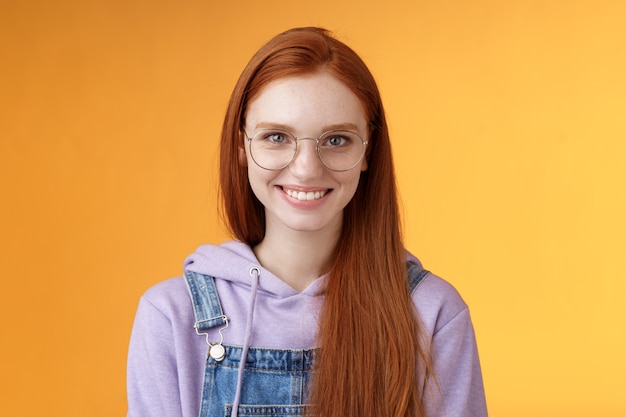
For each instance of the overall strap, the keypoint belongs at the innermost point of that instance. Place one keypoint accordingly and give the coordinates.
(415, 275)
(206, 303)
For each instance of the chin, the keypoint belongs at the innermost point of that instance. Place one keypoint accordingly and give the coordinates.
(314, 225)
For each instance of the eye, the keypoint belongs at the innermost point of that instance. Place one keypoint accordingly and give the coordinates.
(275, 137)
(335, 140)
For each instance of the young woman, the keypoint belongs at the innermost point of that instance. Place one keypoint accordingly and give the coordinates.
(316, 308)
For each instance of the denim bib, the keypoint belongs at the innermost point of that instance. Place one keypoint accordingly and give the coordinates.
(275, 382)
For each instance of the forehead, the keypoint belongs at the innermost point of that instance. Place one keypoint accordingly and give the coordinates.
(306, 103)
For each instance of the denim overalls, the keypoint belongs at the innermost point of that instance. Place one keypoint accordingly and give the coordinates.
(274, 382)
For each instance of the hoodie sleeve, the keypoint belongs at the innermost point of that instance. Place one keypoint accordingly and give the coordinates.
(457, 369)
(152, 379)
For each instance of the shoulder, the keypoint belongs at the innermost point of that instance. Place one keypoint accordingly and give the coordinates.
(438, 302)
(167, 291)
(445, 317)
(169, 298)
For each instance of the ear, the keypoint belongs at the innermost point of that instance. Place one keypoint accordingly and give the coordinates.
(364, 164)
(243, 159)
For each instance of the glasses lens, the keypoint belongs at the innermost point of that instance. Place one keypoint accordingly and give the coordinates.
(341, 150)
(273, 149)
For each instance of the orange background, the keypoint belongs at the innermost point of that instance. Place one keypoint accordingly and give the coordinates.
(509, 127)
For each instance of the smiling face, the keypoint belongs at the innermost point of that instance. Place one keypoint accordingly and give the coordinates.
(305, 195)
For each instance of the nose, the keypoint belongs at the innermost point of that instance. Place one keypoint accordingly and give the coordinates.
(306, 162)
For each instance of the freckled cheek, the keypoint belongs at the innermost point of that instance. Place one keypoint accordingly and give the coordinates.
(260, 181)
(349, 182)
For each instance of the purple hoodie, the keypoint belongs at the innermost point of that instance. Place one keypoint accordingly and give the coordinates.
(166, 357)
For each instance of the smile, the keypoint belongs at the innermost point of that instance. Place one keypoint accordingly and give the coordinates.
(305, 196)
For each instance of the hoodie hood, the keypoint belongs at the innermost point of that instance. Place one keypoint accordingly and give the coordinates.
(232, 261)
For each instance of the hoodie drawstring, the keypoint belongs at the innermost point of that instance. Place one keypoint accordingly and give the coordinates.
(254, 273)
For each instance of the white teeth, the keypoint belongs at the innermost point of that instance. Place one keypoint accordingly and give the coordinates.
(302, 196)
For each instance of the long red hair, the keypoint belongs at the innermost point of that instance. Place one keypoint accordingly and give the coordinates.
(371, 362)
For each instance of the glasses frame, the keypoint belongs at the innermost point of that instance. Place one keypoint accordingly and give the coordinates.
(295, 151)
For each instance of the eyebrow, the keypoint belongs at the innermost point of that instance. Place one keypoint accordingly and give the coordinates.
(336, 126)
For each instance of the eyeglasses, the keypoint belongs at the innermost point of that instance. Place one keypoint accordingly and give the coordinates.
(275, 149)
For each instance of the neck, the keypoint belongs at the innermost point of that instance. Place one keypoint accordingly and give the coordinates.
(297, 258)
